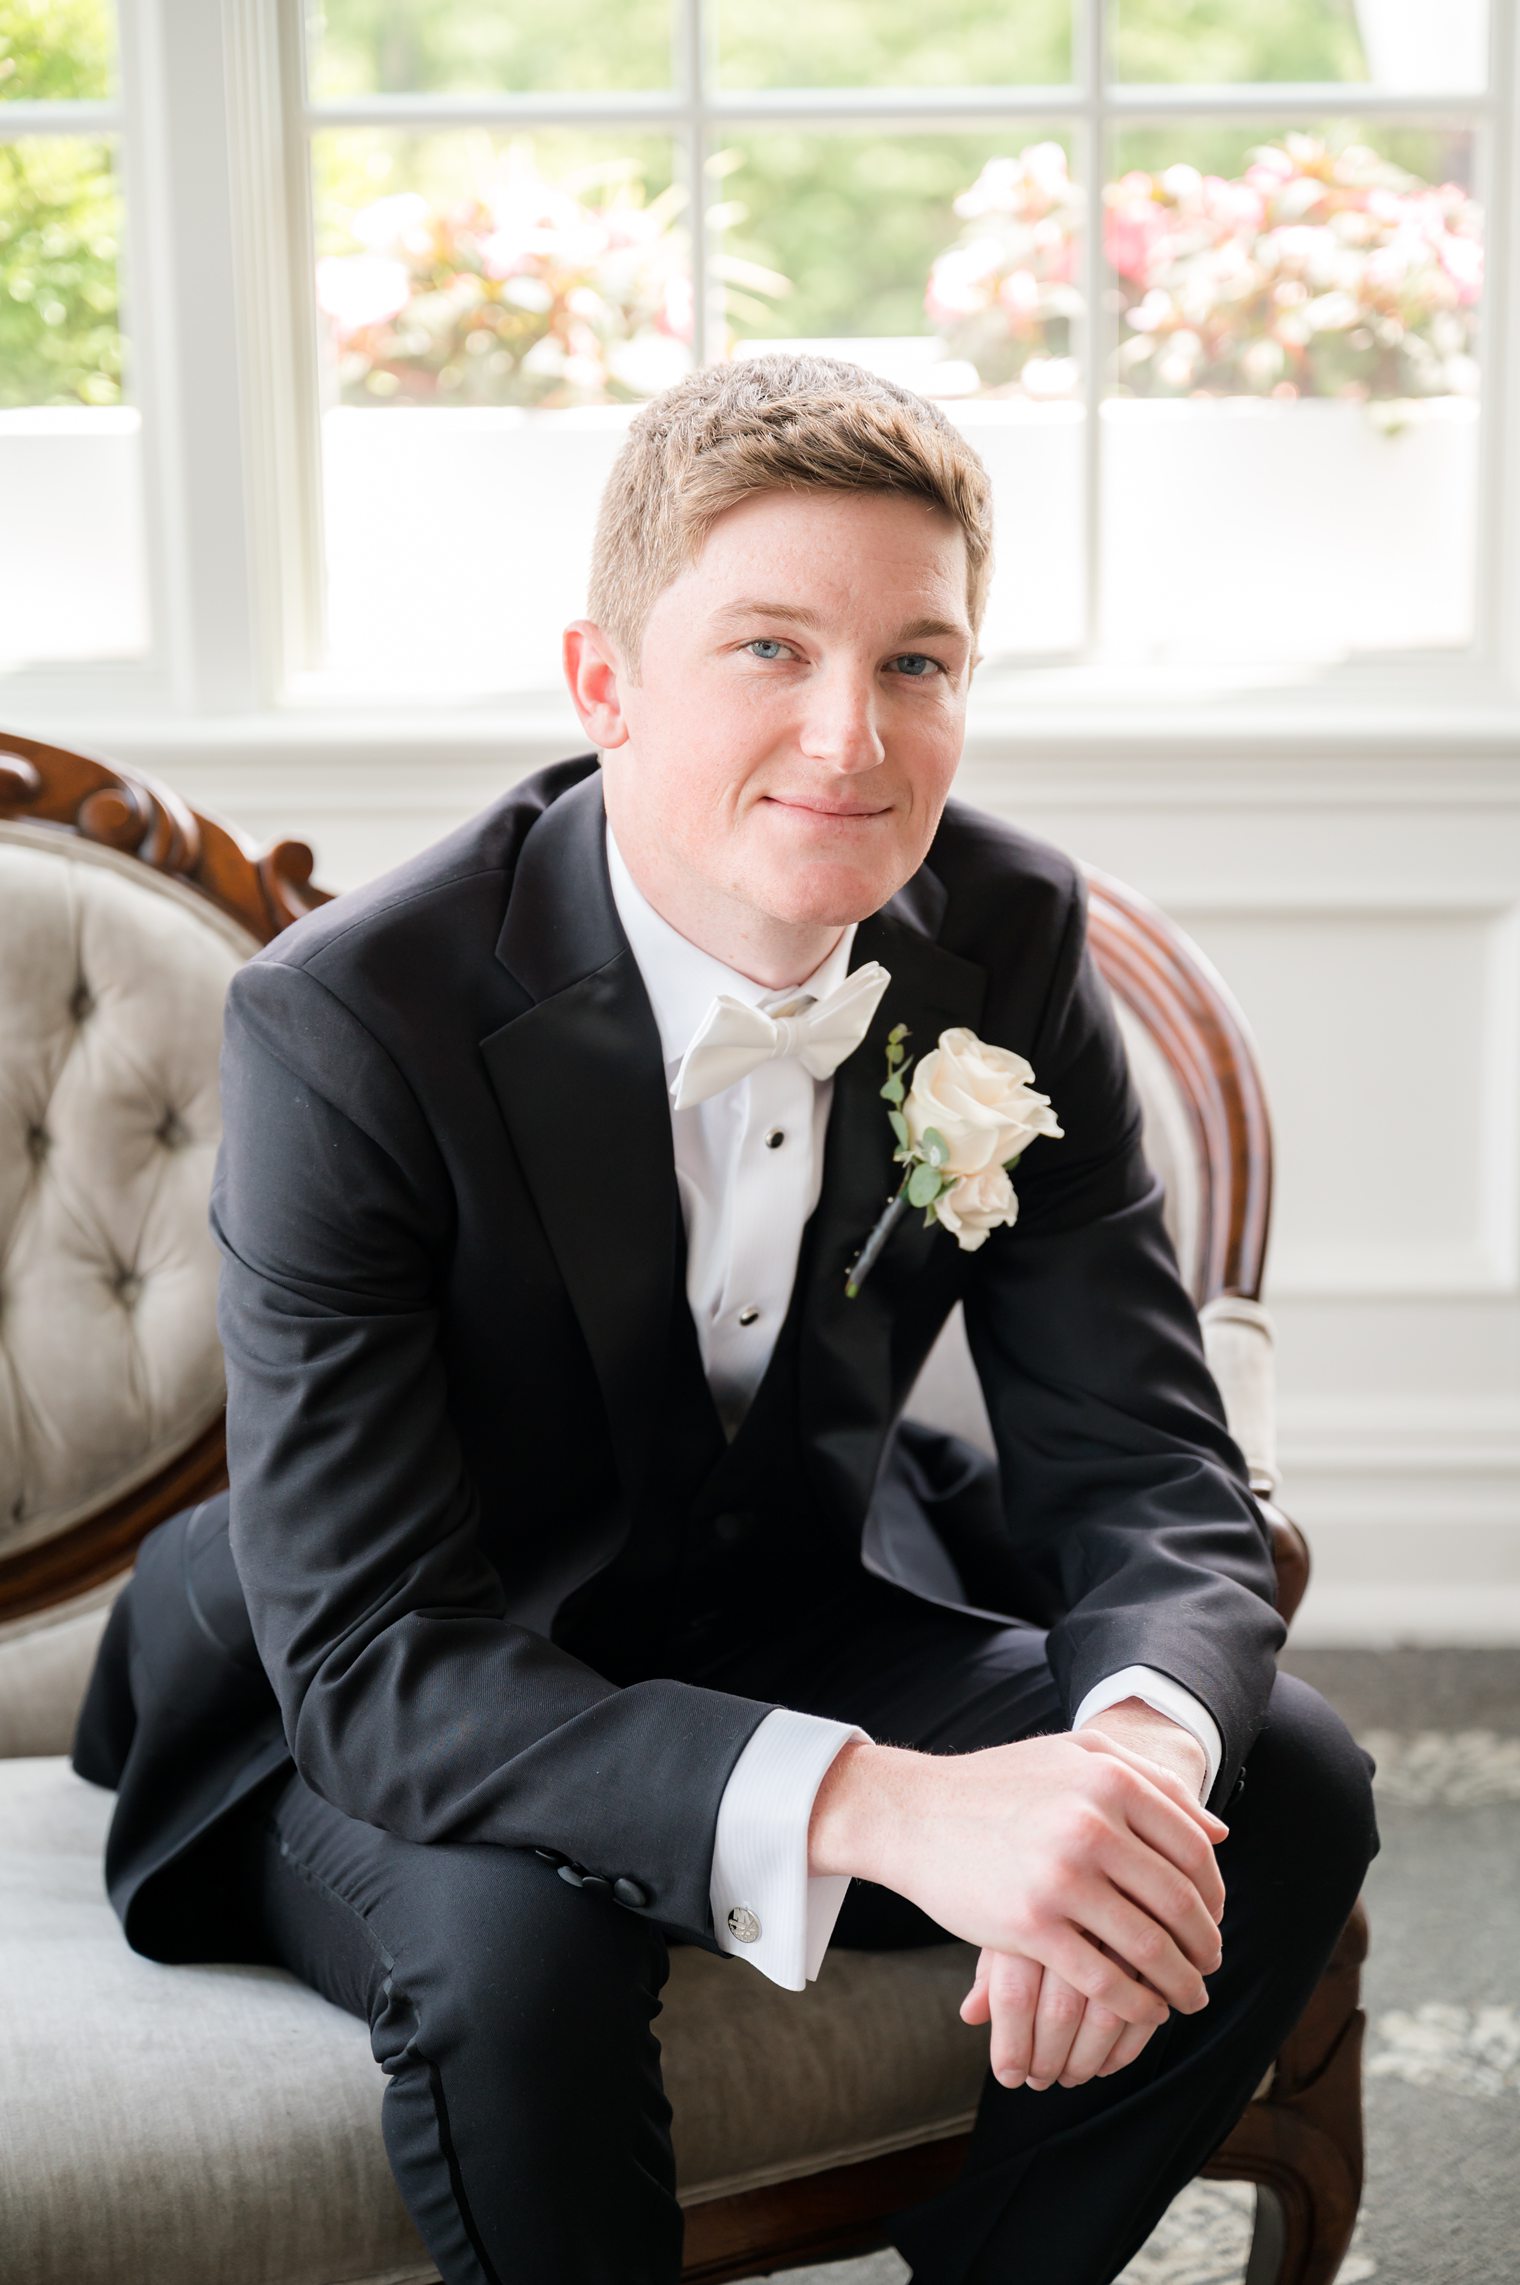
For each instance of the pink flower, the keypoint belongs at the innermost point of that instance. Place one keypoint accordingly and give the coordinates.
(1131, 234)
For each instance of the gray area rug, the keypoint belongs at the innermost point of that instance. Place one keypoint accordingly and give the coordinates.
(1441, 1991)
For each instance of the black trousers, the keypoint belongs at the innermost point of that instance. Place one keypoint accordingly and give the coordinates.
(524, 2114)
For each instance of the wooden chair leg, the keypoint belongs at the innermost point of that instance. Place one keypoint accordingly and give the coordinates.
(1301, 2143)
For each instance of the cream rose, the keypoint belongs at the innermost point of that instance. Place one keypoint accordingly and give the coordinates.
(976, 1204)
(979, 1098)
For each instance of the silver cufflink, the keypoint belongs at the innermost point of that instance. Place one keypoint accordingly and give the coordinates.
(743, 1923)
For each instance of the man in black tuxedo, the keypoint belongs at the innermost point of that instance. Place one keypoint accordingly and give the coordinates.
(568, 1587)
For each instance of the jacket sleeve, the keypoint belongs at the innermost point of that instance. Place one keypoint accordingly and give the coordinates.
(1127, 1499)
(409, 1697)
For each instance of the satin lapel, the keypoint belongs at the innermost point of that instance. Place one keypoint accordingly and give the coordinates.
(846, 1356)
(579, 1079)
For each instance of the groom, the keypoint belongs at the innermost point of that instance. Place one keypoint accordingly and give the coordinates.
(579, 1589)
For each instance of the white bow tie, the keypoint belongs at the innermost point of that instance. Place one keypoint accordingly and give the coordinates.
(734, 1038)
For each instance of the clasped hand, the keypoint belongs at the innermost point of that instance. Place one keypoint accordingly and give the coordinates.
(1045, 2031)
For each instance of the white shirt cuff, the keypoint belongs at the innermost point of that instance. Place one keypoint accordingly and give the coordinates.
(1168, 1697)
(783, 1916)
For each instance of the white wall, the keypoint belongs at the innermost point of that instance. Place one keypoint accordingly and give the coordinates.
(1366, 911)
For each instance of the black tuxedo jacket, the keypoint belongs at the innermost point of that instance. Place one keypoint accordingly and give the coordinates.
(451, 1239)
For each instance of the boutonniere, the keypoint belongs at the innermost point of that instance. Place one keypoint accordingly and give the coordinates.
(961, 1128)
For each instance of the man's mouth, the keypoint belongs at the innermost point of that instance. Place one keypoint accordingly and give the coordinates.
(829, 809)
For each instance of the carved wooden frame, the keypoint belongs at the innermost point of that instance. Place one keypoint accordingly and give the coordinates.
(1301, 2144)
(139, 816)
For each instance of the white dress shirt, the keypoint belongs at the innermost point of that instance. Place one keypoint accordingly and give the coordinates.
(749, 1167)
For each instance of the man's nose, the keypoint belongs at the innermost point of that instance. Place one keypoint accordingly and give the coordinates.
(840, 729)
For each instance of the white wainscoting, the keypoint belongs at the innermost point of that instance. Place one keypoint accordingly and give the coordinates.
(1366, 911)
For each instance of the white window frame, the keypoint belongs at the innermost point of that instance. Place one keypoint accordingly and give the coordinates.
(214, 119)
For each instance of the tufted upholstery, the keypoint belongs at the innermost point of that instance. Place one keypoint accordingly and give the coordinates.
(110, 1026)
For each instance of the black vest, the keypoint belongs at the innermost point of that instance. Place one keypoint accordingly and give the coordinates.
(725, 1530)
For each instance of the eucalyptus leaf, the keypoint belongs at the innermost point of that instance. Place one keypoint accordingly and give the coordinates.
(936, 1149)
(899, 1126)
(898, 1032)
(893, 1089)
(924, 1186)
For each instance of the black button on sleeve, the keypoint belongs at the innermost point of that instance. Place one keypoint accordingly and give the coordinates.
(595, 1880)
(572, 1873)
(630, 1891)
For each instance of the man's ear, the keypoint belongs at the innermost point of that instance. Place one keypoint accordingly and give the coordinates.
(594, 671)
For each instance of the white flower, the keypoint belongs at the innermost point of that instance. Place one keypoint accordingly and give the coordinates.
(979, 1098)
(976, 1204)
(960, 1126)
(356, 290)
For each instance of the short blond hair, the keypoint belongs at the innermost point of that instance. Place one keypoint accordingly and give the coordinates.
(782, 422)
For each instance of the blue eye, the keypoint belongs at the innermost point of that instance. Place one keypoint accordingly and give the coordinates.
(773, 643)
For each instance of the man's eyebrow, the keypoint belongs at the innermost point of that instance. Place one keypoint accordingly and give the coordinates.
(751, 608)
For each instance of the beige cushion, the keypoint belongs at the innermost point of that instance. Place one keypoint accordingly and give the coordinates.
(181, 2123)
(110, 1030)
(45, 1662)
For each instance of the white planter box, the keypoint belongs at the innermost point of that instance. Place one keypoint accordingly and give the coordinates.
(1240, 528)
(458, 542)
(73, 581)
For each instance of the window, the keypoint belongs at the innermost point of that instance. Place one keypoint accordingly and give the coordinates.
(72, 563)
(1218, 291)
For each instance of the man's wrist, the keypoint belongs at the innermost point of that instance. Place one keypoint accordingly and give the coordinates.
(857, 1808)
(1147, 1731)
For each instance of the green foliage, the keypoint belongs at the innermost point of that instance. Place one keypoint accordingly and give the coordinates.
(1223, 43)
(56, 49)
(924, 1186)
(894, 43)
(853, 219)
(60, 331)
(366, 47)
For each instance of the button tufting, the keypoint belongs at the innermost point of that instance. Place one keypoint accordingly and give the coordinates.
(171, 1130)
(81, 1001)
(38, 1142)
(128, 1286)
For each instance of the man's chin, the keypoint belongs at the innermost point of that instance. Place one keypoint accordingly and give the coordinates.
(824, 896)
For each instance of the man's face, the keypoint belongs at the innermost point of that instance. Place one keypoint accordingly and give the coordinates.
(802, 708)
